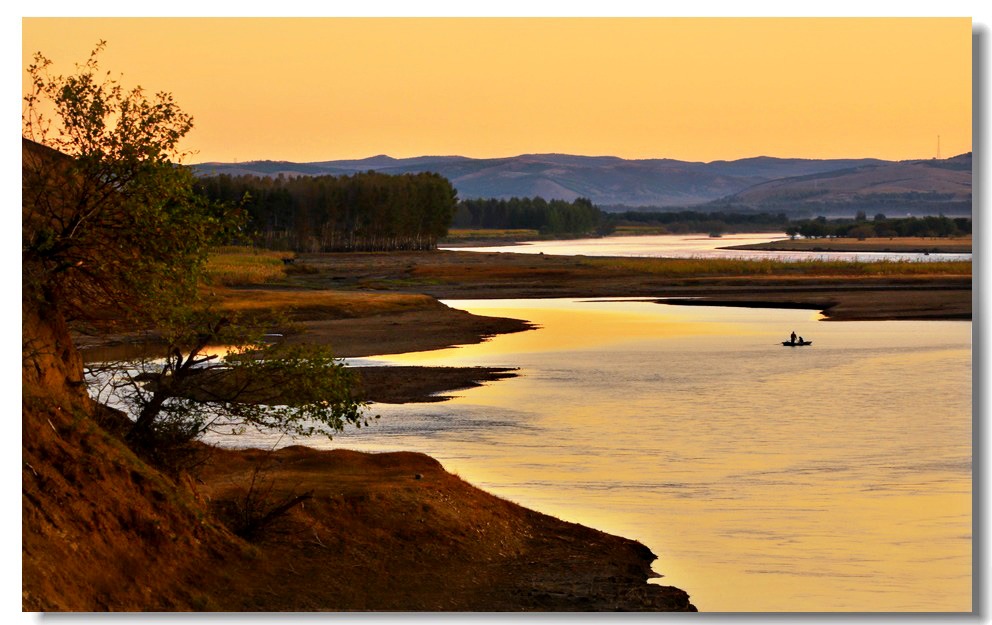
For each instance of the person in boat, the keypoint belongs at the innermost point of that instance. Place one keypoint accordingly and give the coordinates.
(801, 340)
(793, 337)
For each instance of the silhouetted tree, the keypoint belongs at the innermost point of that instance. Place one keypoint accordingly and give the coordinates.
(110, 221)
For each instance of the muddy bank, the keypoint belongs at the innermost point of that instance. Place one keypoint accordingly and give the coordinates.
(908, 293)
(103, 531)
(403, 332)
(378, 329)
(380, 304)
(364, 304)
(911, 245)
(397, 532)
(402, 384)
(847, 302)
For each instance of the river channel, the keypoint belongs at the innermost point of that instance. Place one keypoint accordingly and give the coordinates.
(694, 246)
(833, 477)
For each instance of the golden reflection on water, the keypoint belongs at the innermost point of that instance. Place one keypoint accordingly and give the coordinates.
(830, 478)
(581, 324)
(835, 477)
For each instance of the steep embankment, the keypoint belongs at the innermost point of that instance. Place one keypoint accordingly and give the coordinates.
(103, 530)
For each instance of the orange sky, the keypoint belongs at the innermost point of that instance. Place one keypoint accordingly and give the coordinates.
(692, 89)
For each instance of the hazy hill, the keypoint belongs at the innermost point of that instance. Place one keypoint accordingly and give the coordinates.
(606, 180)
(906, 184)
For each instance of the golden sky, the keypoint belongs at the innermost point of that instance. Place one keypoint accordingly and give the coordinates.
(310, 89)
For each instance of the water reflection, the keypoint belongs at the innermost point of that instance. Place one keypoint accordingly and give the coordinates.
(836, 477)
(695, 246)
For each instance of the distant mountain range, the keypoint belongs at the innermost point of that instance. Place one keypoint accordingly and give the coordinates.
(614, 182)
(939, 180)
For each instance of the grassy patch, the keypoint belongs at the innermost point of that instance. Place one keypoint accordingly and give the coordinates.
(697, 267)
(952, 245)
(308, 304)
(627, 231)
(235, 266)
(463, 234)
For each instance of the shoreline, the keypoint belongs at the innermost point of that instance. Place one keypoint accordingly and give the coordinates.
(907, 245)
(367, 304)
(399, 384)
(429, 540)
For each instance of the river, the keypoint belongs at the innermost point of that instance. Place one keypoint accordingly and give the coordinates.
(834, 477)
(693, 246)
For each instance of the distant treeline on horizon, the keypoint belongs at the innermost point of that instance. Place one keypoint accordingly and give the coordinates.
(361, 212)
(881, 226)
(548, 217)
(373, 211)
(718, 222)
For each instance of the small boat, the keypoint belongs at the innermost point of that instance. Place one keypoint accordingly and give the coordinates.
(797, 343)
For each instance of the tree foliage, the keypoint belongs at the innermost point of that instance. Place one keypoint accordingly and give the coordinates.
(880, 226)
(690, 221)
(227, 381)
(113, 228)
(108, 218)
(549, 217)
(368, 211)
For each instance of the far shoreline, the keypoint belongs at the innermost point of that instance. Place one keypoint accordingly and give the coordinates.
(380, 304)
(905, 245)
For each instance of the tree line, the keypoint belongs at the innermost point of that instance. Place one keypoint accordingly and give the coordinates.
(374, 211)
(546, 216)
(881, 226)
(803, 203)
(689, 221)
(367, 211)
(684, 222)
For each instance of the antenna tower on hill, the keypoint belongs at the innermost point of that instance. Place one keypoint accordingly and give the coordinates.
(938, 147)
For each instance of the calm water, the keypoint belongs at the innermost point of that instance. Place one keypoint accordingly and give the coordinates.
(766, 478)
(693, 246)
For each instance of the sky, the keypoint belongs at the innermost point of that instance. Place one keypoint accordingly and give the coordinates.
(698, 89)
(275, 94)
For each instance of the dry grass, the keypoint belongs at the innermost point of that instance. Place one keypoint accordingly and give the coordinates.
(705, 267)
(459, 234)
(627, 231)
(951, 245)
(327, 304)
(236, 266)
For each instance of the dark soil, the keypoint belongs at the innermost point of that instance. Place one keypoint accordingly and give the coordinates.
(401, 384)
(452, 275)
(398, 532)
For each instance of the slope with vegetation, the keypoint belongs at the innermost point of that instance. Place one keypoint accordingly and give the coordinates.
(927, 187)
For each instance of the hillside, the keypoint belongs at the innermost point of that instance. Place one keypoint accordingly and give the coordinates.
(606, 180)
(896, 187)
